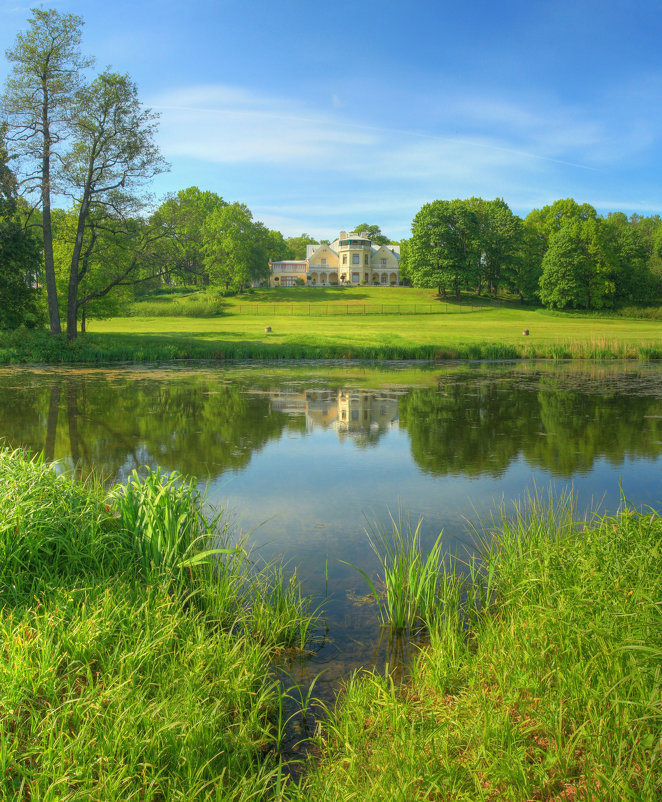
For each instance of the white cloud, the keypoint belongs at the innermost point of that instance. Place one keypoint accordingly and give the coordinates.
(226, 124)
(229, 125)
(314, 168)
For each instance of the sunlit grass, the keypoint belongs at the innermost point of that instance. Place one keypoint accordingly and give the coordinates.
(550, 689)
(117, 679)
(495, 334)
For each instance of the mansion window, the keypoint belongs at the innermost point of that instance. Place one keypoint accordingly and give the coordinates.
(355, 258)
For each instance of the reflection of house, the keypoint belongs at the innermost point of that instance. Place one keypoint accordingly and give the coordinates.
(348, 411)
(350, 260)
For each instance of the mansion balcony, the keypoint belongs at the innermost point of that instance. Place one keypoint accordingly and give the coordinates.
(353, 244)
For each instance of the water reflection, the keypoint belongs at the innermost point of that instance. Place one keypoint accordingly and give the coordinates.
(312, 453)
(362, 415)
(213, 422)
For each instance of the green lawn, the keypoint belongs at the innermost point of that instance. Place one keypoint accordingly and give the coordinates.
(319, 323)
(458, 327)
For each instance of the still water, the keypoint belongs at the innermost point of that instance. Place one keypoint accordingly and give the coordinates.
(305, 457)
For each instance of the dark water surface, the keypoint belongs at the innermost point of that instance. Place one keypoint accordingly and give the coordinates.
(307, 455)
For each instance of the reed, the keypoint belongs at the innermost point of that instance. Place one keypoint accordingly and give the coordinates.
(410, 584)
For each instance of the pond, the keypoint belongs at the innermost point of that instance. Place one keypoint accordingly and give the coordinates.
(306, 457)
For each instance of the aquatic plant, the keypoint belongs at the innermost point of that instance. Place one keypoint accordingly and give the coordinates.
(162, 514)
(410, 585)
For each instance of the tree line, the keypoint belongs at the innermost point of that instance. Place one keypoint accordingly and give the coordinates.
(565, 255)
(88, 140)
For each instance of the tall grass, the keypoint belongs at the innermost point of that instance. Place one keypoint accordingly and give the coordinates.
(552, 692)
(195, 304)
(174, 538)
(163, 515)
(112, 686)
(410, 583)
(52, 530)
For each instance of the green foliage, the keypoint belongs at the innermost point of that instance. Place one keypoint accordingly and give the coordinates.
(443, 250)
(579, 268)
(464, 244)
(633, 250)
(297, 246)
(20, 257)
(412, 583)
(235, 247)
(108, 249)
(181, 217)
(548, 686)
(374, 232)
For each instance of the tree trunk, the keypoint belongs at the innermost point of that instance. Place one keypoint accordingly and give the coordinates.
(51, 423)
(72, 296)
(49, 262)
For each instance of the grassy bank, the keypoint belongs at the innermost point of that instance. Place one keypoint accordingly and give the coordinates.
(554, 692)
(483, 335)
(334, 323)
(130, 667)
(137, 640)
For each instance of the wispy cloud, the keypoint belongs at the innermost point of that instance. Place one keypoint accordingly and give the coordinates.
(318, 163)
(226, 124)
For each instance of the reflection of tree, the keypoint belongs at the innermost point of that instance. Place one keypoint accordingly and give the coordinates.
(219, 426)
(472, 428)
(27, 406)
(471, 424)
(51, 421)
(480, 427)
(581, 428)
(112, 426)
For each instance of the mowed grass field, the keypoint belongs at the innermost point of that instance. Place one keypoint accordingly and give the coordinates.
(334, 318)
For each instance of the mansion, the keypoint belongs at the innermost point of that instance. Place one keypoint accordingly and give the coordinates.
(350, 260)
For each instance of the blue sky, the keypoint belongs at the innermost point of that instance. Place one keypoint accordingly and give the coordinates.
(320, 116)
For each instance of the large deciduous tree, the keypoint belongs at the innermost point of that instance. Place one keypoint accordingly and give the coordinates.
(498, 242)
(47, 71)
(113, 154)
(235, 247)
(184, 214)
(579, 268)
(443, 247)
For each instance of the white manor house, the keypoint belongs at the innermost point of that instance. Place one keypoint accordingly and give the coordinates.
(350, 260)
